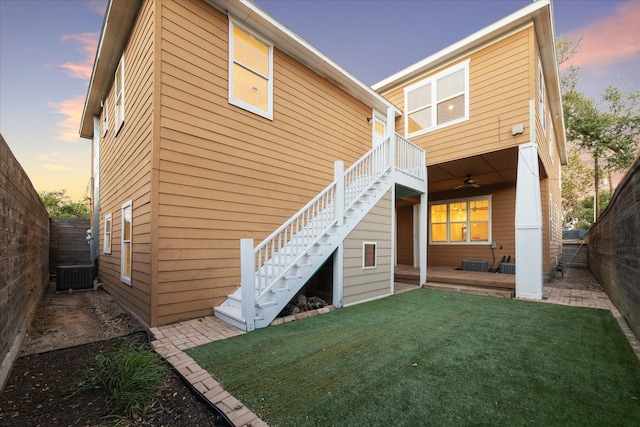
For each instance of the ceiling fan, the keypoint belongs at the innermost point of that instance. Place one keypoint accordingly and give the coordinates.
(468, 182)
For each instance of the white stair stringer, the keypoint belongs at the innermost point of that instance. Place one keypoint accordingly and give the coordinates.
(317, 250)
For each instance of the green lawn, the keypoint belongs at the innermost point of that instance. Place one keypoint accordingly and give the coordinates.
(426, 357)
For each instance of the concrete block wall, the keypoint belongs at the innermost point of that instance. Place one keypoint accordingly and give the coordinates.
(614, 248)
(24, 256)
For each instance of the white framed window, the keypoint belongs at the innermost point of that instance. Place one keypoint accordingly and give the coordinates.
(460, 221)
(439, 101)
(250, 72)
(369, 255)
(106, 247)
(119, 96)
(551, 143)
(126, 244)
(541, 98)
(105, 118)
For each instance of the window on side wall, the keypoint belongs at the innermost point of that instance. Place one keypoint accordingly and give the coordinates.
(369, 255)
(541, 99)
(119, 96)
(105, 118)
(250, 72)
(438, 101)
(106, 248)
(126, 248)
(460, 221)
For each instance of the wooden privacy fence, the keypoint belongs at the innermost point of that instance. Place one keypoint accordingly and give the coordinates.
(67, 242)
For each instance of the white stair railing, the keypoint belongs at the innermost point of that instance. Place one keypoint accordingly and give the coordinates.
(283, 247)
(410, 159)
(263, 266)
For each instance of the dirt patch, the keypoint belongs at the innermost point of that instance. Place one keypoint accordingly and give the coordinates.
(74, 318)
(575, 278)
(68, 331)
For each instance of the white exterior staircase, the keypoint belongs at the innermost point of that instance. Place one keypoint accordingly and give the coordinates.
(273, 272)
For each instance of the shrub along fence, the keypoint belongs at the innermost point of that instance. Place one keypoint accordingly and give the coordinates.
(24, 256)
(614, 248)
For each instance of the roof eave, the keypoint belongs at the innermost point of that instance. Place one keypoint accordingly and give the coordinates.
(116, 28)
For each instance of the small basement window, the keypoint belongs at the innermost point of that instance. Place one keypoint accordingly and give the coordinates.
(369, 255)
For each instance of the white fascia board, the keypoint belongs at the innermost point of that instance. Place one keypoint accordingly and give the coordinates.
(480, 37)
(116, 28)
(248, 13)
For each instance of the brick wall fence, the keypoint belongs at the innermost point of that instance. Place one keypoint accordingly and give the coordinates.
(24, 256)
(614, 248)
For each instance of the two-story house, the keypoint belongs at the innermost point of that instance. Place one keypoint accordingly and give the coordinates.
(228, 151)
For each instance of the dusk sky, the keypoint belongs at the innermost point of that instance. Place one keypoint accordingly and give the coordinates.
(47, 50)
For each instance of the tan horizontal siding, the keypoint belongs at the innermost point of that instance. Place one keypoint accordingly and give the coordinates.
(225, 173)
(404, 235)
(499, 98)
(360, 284)
(125, 167)
(503, 233)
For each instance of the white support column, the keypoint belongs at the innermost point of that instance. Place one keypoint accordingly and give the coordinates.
(338, 276)
(391, 134)
(528, 222)
(248, 283)
(338, 176)
(423, 237)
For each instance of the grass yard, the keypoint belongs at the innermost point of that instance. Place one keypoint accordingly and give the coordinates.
(427, 357)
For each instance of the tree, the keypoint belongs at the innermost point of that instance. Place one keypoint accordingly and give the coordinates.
(59, 205)
(609, 131)
(585, 216)
(576, 182)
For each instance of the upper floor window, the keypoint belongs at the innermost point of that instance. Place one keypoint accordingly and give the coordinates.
(107, 234)
(541, 99)
(105, 118)
(438, 101)
(461, 221)
(250, 72)
(119, 96)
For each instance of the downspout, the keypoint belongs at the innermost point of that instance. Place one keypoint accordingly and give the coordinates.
(95, 230)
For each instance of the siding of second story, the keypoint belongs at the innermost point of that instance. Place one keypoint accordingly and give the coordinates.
(125, 170)
(226, 173)
(499, 94)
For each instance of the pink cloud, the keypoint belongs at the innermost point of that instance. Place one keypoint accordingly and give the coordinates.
(97, 6)
(71, 110)
(88, 43)
(610, 40)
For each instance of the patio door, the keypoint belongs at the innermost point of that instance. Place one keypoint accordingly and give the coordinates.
(379, 124)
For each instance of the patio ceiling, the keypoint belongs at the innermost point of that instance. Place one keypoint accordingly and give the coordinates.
(495, 168)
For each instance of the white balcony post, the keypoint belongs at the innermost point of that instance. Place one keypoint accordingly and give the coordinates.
(248, 283)
(338, 176)
(391, 134)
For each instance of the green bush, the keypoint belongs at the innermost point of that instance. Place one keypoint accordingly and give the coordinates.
(130, 374)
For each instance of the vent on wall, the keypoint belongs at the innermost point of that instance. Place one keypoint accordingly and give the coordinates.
(75, 277)
(475, 265)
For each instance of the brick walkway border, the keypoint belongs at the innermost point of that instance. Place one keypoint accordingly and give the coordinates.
(170, 341)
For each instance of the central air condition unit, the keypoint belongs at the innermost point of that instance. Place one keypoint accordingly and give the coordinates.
(475, 265)
(74, 277)
(507, 268)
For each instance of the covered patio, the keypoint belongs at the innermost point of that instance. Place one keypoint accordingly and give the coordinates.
(448, 278)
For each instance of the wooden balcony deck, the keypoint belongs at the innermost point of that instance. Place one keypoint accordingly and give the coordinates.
(448, 278)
